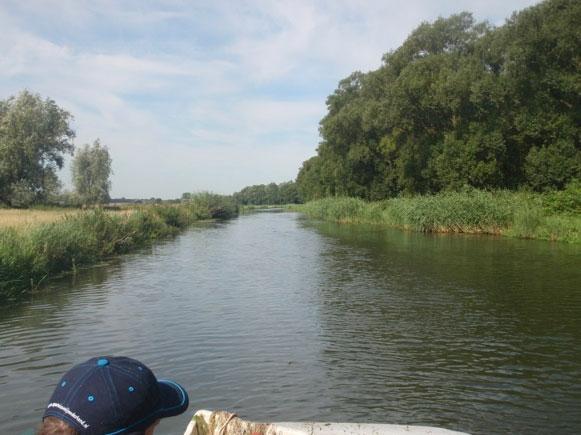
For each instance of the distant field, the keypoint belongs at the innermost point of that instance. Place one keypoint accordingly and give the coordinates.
(17, 218)
(25, 218)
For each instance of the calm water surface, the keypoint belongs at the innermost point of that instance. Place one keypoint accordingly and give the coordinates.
(278, 318)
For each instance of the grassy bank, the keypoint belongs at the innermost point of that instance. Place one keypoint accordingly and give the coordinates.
(29, 255)
(555, 216)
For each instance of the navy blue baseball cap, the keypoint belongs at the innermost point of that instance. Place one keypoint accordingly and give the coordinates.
(114, 395)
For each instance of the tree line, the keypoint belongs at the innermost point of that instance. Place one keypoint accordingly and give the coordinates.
(459, 103)
(269, 194)
(35, 137)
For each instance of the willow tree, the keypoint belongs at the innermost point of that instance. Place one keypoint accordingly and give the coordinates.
(34, 137)
(91, 171)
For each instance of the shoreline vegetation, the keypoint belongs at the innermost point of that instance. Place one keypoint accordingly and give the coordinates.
(459, 104)
(466, 127)
(34, 253)
(553, 216)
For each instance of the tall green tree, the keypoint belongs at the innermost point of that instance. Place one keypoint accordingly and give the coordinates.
(269, 194)
(459, 103)
(91, 172)
(309, 180)
(288, 193)
(34, 137)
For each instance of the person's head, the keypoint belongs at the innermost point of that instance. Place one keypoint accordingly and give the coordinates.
(111, 395)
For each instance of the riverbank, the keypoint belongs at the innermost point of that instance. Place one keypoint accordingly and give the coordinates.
(555, 216)
(31, 254)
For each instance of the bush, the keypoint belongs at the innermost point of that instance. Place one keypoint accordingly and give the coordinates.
(566, 201)
(206, 205)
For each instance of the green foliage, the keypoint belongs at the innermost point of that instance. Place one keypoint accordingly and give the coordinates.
(269, 194)
(560, 228)
(472, 211)
(526, 220)
(309, 181)
(338, 209)
(207, 205)
(288, 193)
(567, 201)
(91, 170)
(474, 162)
(27, 257)
(532, 222)
(552, 166)
(22, 194)
(459, 103)
(34, 137)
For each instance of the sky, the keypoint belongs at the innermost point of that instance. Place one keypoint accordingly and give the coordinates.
(196, 96)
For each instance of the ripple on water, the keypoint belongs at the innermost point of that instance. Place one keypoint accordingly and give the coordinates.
(276, 318)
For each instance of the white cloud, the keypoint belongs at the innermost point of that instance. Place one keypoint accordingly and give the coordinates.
(192, 96)
(246, 119)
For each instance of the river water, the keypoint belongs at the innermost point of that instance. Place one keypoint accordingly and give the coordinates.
(279, 318)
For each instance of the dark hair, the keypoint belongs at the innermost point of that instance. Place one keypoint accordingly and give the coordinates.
(55, 426)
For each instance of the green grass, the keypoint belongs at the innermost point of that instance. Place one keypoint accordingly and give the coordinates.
(31, 255)
(512, 214)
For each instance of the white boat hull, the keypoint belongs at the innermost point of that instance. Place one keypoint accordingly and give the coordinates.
(225, 423)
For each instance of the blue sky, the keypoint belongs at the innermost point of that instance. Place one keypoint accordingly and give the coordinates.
(194, 96)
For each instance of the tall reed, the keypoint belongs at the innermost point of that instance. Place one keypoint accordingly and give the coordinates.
(29, 256)
(515, 214)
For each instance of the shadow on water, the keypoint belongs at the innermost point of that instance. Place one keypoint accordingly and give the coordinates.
(57, 293)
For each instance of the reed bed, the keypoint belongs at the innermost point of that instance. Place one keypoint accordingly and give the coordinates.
(513, 214)
(29, 255)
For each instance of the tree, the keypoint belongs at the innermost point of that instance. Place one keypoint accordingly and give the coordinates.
(91, 171)
(459, 103)
(309, 180)
(268, 194)
(288, 193)
(34, 137)
(553, 166)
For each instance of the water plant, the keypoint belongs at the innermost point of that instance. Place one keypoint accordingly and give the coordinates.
(514, 214)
